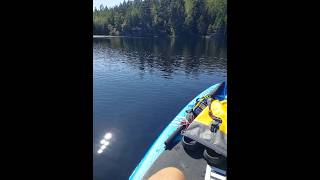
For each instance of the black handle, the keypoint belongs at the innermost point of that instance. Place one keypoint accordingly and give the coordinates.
(173, 135)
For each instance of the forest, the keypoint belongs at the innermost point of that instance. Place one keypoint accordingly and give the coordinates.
(162, 18)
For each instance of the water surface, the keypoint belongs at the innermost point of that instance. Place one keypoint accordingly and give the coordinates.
(140, 84)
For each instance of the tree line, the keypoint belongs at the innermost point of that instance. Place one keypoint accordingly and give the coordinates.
(162, 18)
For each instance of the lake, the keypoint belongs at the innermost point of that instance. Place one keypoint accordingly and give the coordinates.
(139, 85)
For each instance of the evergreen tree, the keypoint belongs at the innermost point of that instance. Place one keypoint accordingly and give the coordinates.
(161, 17)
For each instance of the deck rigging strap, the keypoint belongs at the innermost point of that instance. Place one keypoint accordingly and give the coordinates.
(216, 121)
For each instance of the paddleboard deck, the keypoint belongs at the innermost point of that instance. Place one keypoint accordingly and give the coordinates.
(192, 165)
(157, 157)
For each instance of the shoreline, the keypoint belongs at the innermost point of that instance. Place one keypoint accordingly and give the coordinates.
(105, 36)
(205, 36)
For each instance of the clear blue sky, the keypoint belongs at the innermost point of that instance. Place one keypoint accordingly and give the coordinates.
(109, 3)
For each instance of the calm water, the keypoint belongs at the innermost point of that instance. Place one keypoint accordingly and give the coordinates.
(140, 84)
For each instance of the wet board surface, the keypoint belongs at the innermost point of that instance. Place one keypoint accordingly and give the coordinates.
(192, 165)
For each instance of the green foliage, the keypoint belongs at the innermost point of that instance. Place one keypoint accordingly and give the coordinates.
(161, 17)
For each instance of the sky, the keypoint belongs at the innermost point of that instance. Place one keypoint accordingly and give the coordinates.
(109, 3)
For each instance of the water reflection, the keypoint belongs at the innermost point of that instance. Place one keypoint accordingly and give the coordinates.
(190, 56)
(104, 142)
(108, 136)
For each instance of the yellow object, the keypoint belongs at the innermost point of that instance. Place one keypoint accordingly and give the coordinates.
(219, 109)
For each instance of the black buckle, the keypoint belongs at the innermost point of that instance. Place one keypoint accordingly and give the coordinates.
(215, 125)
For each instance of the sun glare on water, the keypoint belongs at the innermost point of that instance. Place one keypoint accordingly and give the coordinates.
(104, 142)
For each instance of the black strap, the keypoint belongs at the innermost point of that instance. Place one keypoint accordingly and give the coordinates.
(215, 125)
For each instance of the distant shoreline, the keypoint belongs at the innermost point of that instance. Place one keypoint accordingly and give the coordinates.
(107, 36)
(104, 36)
